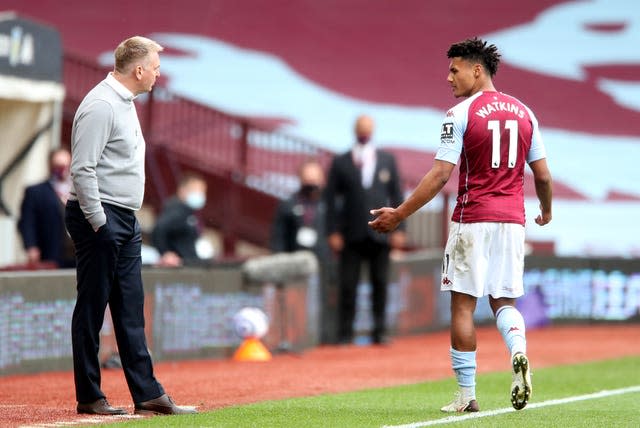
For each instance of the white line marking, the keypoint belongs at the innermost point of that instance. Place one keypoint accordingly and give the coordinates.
(97, 419)
(451, 419)
(86, 420)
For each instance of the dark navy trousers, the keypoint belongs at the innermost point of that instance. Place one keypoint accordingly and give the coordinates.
(351, 258)
(109, 272)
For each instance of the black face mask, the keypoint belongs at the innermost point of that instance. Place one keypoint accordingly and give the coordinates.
(310, 190)
(363, 139)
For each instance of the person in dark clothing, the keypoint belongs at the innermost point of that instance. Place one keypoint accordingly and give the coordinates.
(41, 221)
(299, 220)
(299, 225)
(360, 180)
(177, 228)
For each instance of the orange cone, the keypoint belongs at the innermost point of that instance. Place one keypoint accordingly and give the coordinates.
(252, 349)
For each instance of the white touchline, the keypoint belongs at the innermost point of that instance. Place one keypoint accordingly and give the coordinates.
(88, 419)
(452, 419)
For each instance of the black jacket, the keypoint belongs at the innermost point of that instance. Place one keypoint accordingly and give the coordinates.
(288, 220)
(41, 225)
(348, 203)
(177, 229)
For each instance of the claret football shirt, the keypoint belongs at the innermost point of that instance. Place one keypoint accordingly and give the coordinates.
(493, 135)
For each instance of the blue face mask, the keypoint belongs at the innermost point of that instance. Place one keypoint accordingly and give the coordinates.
(195, 200)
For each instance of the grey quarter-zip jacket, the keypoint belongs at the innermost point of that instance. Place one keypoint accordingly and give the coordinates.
(107, 146)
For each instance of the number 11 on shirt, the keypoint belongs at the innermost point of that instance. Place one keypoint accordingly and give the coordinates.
(512, 127)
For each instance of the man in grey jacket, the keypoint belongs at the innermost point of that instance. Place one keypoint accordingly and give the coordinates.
(107, 170)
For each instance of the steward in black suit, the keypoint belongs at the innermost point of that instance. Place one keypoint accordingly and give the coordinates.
(41, 223)
(360, 180)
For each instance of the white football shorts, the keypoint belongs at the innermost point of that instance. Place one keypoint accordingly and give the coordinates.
(484, 259)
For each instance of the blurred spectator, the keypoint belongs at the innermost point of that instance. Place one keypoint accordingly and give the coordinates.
(299, 225)
(299, 220)
(178, 229)
(359, 180)
(41, 221)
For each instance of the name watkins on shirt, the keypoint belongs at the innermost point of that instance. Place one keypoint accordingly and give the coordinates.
(496, 106)
(446, 132)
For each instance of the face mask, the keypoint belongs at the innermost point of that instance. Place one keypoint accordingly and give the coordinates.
(195, 200)
(59, 173)
(363, 139)
(309, 190)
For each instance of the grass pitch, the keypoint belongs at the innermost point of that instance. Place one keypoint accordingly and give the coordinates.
(418, 405)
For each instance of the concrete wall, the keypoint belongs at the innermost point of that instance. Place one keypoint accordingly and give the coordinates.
(188, 311)
(188, 315)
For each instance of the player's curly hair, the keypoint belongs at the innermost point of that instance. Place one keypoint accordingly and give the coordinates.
(477, 50)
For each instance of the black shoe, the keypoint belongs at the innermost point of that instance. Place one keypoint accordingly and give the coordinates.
(162, 405)
(99, 407)
(380, 339)
(345, 341)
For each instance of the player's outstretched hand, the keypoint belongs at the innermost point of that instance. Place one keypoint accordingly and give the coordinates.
(386, 219)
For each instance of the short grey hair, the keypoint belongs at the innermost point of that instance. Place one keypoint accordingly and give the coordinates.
(132, 50)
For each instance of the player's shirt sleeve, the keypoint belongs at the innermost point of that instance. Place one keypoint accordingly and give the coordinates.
(537, 150)
(451, 134)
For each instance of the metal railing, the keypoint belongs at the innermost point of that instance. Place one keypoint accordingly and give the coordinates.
(239, 155)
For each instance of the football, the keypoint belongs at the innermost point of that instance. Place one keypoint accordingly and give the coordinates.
(250, 322)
